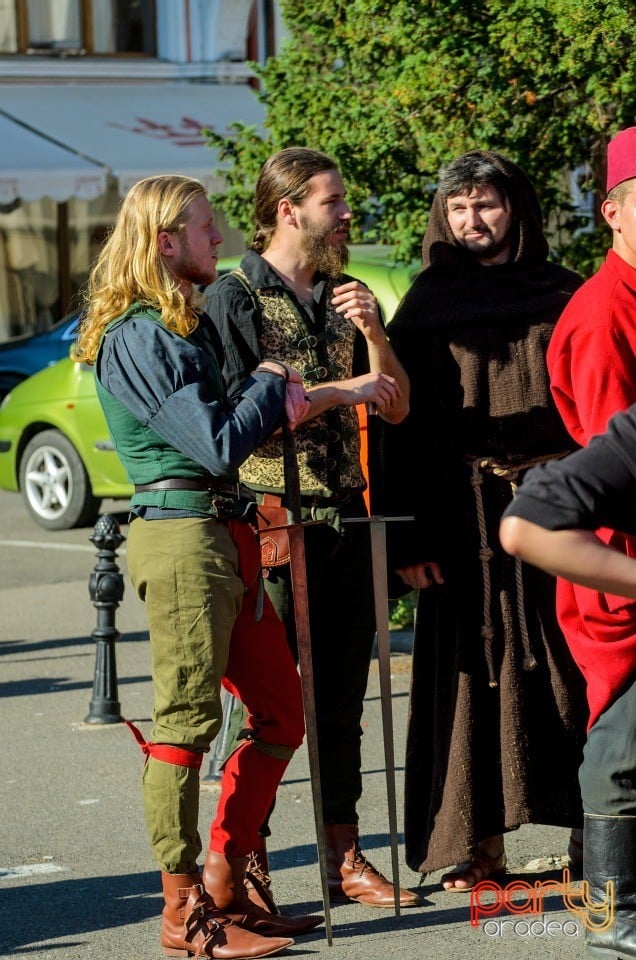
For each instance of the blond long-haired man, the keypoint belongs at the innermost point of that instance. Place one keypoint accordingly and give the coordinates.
(193, 557)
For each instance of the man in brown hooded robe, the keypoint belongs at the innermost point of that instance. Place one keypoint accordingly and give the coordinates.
(497, 711)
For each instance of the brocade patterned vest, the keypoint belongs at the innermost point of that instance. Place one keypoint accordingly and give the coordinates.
(328, 446)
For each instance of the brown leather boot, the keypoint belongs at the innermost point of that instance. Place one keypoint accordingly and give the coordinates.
(258, 881)
(352, 877)
(224, 879)
(191, 925)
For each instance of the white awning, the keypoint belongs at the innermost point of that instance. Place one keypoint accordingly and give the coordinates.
(32, 167)
(133, 130)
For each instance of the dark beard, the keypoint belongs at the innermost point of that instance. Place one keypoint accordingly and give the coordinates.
(323, 256)
(494, 248)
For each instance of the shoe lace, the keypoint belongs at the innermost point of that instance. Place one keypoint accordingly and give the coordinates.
(255, 869)
(360, 863)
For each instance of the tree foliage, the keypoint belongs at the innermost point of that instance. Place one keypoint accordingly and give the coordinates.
(395, 89)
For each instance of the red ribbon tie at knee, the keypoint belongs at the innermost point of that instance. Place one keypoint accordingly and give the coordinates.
(180, 756)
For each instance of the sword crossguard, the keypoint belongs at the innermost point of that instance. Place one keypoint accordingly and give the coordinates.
(293, 525)
(374, 518)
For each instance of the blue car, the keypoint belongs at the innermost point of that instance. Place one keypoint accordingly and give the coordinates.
(21, 357)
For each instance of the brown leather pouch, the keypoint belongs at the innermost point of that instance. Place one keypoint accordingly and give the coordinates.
(274, 542)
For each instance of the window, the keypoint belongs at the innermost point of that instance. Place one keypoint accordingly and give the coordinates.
(123, 26)
(8, 27)
(97, 27)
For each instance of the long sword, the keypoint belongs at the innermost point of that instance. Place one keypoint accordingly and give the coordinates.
(298, 568)
(377, 529)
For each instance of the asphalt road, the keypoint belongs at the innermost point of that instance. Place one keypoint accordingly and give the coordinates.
(31, 555)
(76, 876)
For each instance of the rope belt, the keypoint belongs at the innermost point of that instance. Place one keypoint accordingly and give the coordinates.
(480, 466)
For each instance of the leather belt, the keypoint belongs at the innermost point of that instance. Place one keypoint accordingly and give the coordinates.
(211, 484)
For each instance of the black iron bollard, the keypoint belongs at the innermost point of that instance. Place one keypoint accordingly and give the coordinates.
(106, 588)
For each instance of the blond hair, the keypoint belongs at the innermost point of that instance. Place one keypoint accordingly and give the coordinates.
(620, 192)
(130, 267)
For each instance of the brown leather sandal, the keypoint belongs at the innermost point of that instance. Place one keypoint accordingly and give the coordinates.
(481, 867)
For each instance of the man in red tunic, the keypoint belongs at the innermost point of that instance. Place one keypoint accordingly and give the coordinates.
(592, 365)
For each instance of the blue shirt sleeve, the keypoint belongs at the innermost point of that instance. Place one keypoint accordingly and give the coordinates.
(173, 386)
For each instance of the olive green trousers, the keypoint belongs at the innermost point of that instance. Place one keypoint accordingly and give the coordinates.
(200, 581)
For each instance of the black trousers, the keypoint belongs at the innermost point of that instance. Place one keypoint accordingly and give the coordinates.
(608, 772)
(342, 618)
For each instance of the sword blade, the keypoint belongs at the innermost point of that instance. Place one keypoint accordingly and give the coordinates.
(377, 533)
(381, 598)
(298, 566)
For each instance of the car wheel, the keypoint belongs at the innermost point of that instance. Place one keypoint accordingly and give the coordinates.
(54, 483)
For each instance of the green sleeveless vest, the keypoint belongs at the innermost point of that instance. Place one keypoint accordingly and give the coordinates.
(145, 455)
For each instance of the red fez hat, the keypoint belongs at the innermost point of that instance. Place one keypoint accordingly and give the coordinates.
(621, 158)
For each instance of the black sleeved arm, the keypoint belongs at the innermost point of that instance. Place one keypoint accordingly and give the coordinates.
(236, 317)
(594, 487)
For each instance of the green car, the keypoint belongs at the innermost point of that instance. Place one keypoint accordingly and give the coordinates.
(55, 448)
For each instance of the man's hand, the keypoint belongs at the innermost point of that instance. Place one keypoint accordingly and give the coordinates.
(357, 303)
(421, 575)
(377, 388)
(297, 403)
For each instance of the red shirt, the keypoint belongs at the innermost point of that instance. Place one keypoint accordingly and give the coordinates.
(592, 365)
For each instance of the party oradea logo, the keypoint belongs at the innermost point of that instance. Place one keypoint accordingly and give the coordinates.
(489, 899)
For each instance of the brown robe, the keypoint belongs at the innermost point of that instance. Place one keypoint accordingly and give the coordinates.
(497, 710)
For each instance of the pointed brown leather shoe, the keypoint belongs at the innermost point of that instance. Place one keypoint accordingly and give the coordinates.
(352, 877)
(225, 880)
(192, 926)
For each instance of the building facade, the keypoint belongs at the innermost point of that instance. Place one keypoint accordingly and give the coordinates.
(94, 95)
